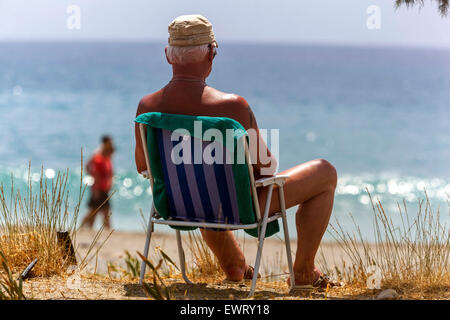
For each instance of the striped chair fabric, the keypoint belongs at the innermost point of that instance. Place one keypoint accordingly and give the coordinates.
(198, 192)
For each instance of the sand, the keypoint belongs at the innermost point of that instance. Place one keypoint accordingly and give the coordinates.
(113, 251)
(95, 282)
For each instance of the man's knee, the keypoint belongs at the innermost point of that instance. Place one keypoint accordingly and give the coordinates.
(329, 172)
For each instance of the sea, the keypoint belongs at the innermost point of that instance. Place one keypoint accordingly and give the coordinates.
(380, 115)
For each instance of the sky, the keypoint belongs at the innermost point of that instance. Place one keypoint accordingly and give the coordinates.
(341, 22)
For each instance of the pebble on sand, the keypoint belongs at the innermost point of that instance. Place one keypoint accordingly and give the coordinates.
(388, 294)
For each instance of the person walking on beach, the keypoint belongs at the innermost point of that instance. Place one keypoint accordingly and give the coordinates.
(100, 168)
(191, 51)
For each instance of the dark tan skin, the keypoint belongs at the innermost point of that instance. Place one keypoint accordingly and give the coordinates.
(310, 185)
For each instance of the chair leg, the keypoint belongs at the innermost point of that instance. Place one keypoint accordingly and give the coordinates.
(182, 258)
(147, 244)
(257, 264)
(287, 240)
(262, 235)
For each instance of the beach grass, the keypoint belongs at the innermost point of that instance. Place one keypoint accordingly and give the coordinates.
(10, 288)
(203, 263)
(411, 257)
(31, 223)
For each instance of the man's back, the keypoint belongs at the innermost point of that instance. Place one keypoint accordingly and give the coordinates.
(194, 97)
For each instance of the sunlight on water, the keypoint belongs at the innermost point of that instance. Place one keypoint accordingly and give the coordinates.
(133, 194)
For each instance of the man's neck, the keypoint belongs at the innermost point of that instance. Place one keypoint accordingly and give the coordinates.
(188, 78)
(189, 73)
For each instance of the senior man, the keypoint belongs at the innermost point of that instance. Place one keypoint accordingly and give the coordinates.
(191, 51)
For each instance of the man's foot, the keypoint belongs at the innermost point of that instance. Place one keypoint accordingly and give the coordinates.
(236, 274)
(250, 272)
(315, 278)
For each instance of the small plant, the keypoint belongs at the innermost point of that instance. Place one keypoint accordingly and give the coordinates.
(133, 265)
(158, 290)
(10, 289)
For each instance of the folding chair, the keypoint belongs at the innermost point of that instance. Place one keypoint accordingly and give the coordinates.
(195, 198)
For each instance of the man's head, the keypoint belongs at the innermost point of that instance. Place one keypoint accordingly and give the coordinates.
(192, 45)
(107, 147)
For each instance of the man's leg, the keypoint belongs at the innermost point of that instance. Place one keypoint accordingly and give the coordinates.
(106, 217)
(89, 219)
(225, 247)
(312, 185)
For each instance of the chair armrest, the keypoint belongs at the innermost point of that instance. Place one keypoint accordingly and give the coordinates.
(277, 179)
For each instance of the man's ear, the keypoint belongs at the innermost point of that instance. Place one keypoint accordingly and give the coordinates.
(211, 53)
(167, 58)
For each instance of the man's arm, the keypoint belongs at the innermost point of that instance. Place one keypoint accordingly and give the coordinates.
(139, 156)
(266, 163)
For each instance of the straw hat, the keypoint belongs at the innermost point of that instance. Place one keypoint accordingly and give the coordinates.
(190, 30)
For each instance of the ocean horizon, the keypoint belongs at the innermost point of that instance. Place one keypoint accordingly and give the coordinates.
(379, 115)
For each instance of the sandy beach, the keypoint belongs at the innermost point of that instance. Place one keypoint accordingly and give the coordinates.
(97, 283)
(113, 251)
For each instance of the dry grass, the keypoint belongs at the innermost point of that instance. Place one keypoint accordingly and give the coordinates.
(204, 263)
(10, 288)
(29, 224)
(412, 257)
(30, 220)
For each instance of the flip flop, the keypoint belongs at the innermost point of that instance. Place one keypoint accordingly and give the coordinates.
(321, 283)
(248, 275)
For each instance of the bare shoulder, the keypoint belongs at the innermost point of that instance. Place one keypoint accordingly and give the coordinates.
(148, 102)
(229, 99)
(234, 106)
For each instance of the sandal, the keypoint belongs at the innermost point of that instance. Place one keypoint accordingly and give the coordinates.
(321, 283)
(324, 281)
(248, 275)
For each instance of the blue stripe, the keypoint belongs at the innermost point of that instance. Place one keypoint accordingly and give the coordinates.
(231, 187)
(184, 187)
(203, 190)
(221, 178)
(165, 173)
(178, 201)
